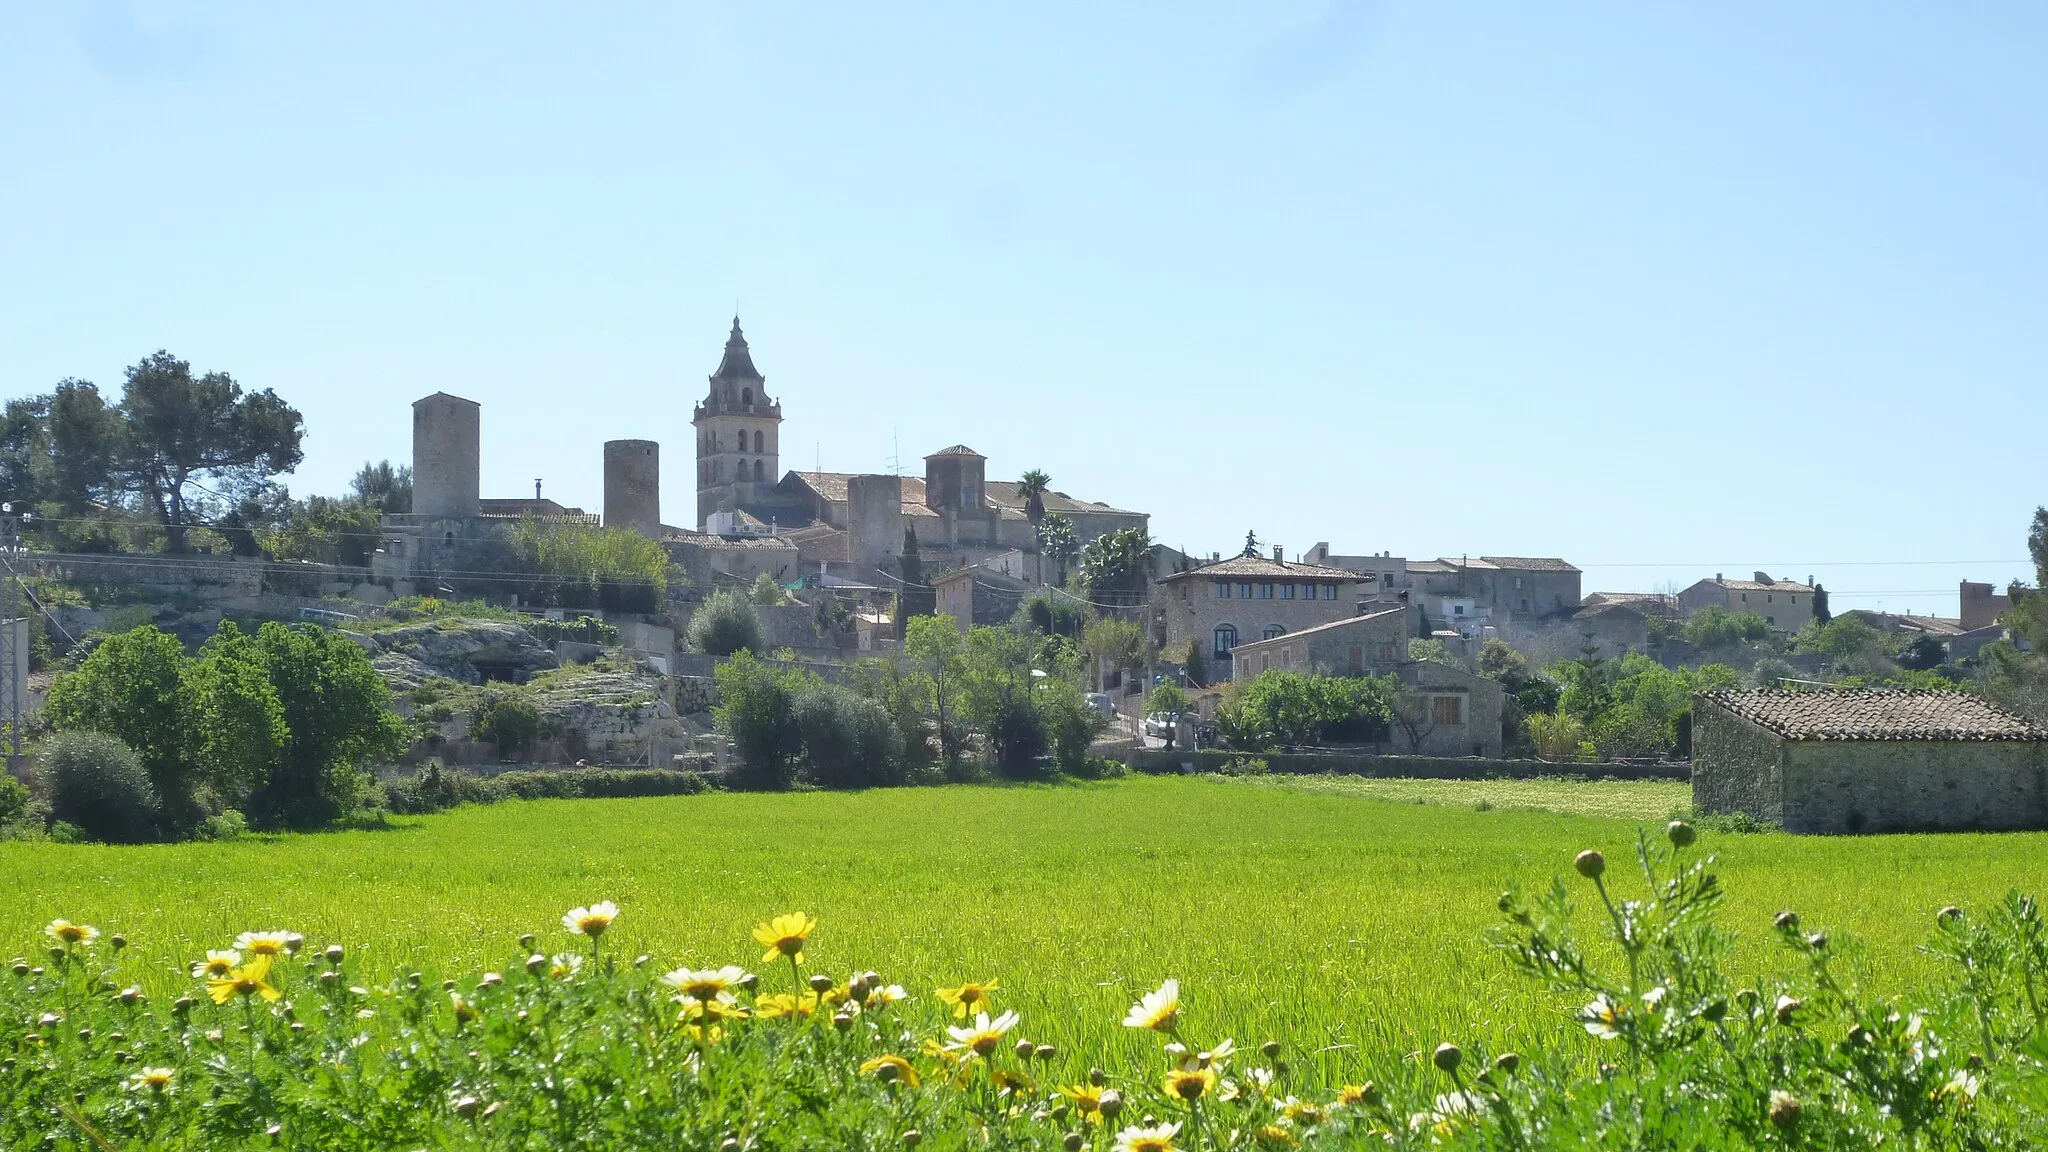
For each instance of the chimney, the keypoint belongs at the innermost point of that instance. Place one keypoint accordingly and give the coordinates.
(1279, 554)
(1215, 557)
(1809, 579)
(1763, 577)
(1717, 577)
(536, 487)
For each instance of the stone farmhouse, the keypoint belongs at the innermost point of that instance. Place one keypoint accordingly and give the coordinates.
(1468, 594)
(1868, 760)
(1785, 605)
(1442, 711)
(1248, 597)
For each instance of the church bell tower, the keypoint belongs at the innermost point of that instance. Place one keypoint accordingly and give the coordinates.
(737, 431)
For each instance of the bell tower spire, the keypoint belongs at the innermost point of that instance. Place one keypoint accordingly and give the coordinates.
(738, 429)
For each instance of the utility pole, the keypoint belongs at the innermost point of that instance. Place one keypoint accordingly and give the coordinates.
(13, 633)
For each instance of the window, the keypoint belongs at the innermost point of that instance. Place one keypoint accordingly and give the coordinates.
(1447, 709)
(1287, 591)
(1795, 597)
(1308, 591)
(1226, 639)
(1265, 591)
(1389, 652)
(1329, 591)
(1525, 603)
(747, 397)
(1244, 591)
(758, 441)
(1745, 597)
(1770, 619)
(1518, 583)
(1272, 631)
(1356, 662)
(1768, 598)
(1222, 590)
(760, 471)
(1386, 579)
(739, 472)
(1457, 609)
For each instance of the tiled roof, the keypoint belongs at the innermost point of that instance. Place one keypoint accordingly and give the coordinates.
(1876, 714)
(1003, 494)
(738, 362)
(1530, 563)
(1265, 568)
(957, 450)
(1332, 626)
(1759, 585)
(1431, 567)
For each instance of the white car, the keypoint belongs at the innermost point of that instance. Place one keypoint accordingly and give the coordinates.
(1161, 725)
(1100, 702)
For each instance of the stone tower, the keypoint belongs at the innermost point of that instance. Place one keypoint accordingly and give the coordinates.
(447, 439)
(738, 458)
(632, 486)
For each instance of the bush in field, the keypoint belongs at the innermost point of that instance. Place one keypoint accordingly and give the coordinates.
(724, 624)
(848, 740)
(98, 784)
(133, 687)
(756, 711)
(569, 1045)
(1282, 708)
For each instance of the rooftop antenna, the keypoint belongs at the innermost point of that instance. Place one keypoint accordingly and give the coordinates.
(895, 453)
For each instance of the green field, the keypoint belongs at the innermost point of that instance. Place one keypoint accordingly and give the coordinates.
(1294, 910)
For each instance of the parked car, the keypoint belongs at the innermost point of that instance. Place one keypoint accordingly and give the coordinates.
(1100, 702)
(1160, 725)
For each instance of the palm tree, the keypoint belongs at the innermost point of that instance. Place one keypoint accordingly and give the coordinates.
(1033, 488)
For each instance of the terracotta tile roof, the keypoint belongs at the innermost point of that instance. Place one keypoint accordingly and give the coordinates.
(956, 450)
(1530, 563)
(1876, 714)
(1347, 622)
(1265, 568)
(1003, 494)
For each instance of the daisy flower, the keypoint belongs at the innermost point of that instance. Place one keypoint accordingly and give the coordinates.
(250, 979)
(970, 997)
(1158, 1139)
(71, 935)
(1603, 1017)
(1158, 1010)
(591, 921)
(983, 1036)
(1086, 1098)
(1189, 1084)
(890, 1069)
(785, 936)
(262, 943)
(218, 962)
(151, 1080)
(709, 984)
(564, 965)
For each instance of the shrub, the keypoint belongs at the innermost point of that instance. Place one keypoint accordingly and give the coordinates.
(508, 721)
(756, 711)
(766, 592)
(596, 783)
(1557, 736)
(13, 799)
(849, 741)
(725, 624)
(97, 784)
(227, 825)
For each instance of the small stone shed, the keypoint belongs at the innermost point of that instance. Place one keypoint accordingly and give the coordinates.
(1837, 760)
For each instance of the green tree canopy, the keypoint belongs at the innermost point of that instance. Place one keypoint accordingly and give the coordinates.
(1119, 561)
(133, 687)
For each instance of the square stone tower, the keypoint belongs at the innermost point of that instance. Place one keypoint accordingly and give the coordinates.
(738, 426)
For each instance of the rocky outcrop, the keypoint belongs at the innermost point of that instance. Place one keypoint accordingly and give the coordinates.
(466, 651)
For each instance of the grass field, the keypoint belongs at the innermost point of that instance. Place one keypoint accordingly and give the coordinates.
(1299, 911)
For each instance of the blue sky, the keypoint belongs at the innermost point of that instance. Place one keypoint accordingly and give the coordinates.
(1665, 290)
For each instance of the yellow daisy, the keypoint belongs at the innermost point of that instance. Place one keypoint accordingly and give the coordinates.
(251, 979)
(890, 1069)
(1275, 1136)
(1158, 1139)
(151, 1080)
(1189, 1084)
(262, 943)
(785, 936)
(983, 1036)
(1158, 1010)
(218, 962)
(1352, 1095)
(785, 1004)
(71, 935)
(971, 997)
(591, 921)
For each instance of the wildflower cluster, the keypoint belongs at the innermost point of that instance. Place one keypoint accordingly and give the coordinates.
(574, 1044)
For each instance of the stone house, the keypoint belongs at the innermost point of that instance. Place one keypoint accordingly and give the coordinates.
(1785, 605)
(1981, 605)
(1622, 621)
(1442, 710)
(977, 596)
(1469, 593)
(1249, 597)
(1868, 760)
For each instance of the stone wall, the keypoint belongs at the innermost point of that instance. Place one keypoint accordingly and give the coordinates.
(1370, 764)
(1737, 766)
(1913, 785)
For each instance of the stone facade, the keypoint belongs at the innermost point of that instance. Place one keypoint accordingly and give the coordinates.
(1981, 605)
(739, 430)
(1785, 605)
(1248, 598)
(974, 596)
(1868, 760)
(632, 486)
(447, 456)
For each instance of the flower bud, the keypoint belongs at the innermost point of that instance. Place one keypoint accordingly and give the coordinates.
(1112, 1102)
(642, 960)
(490, 980)
(1508, 1063)
(447, 985)
(1073, 1142)
(122, 1056)
(1061, 1111)
(117, 941)
(842, 1021)
(1095, 1077)
(1447, 1057)
(1680, 834)
(1787, 1007)
(1858, 1034)
(821, 983)
(912, 1138)
(1506, 903)
(1784, 1111)
(1045, 1052)
(1715, 1012)
(492, 1108)
(131, 995)
(412, 979)
(1271, 1049)
(293, 943)
(182, 1005)
(1948, 915)
(887, 1073)
(334, 954)
(1747, 997)
(466, 1107)
(1590, 864)
(1787, 921)
(329, 979)
(526, 942)
(750, 982)
(729, 1144)
(85, 1035)
(1818, 941)
(1025, 1048)
(20, 967)
(536, 963)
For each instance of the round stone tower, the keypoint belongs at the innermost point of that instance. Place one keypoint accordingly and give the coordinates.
(447, 450)
(632, 486)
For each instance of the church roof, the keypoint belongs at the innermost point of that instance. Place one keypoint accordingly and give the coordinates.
(956, 450)
(738, 362)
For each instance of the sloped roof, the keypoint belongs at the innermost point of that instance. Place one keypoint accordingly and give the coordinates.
(1876, 714)
(1332, 626)
(957, 450)
(738, 361)
(832, 485)
(1530, 563)
(1266, 568)
(1432, 567)
(1758, 585)
(1004, 494)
